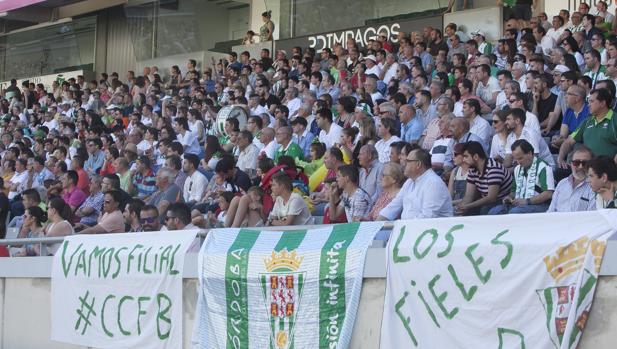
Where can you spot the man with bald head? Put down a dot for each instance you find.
(286, 146)
(411, 126)
(459, 128)
(267, 139)
(370, 170)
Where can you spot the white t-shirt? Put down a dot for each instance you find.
(332, 137)
(295, 206)
(531, 121)
(374, 70)
(537, 142)
(485, 92)
(390, 73)
(481, 128)
(383, 148)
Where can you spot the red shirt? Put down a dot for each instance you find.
(83, 182)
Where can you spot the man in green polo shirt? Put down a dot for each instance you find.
(286, 146)
(599, 132)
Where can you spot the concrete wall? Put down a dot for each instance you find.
(25, 314)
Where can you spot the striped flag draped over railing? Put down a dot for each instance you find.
(272, 289)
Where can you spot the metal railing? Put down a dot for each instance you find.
(388, 226)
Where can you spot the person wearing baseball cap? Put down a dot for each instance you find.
(371, 65)
(486, 48)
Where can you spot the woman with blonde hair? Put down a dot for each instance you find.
(391, 181)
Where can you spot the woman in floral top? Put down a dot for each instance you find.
(391, 181)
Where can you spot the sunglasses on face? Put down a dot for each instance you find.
(148, 220)
(578, 163)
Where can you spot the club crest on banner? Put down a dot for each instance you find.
(282, 290)
(559, 300)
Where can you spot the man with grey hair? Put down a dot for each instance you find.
(432, 132)
(388, 71)
(168, 192)
(370, 171)
(407, 90)
(292, 101)
(306, 111)
(518, 74)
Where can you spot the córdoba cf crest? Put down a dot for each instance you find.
(282, 290)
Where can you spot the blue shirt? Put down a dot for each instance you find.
(94, 162)
(412, 131)
(572, 120)
(304, 142)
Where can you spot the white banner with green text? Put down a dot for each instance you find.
(119, 290)
(281, 289)
(514, 281)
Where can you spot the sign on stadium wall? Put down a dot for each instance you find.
(271, 289)
(119, 290)
(361, 35)
(515, 281)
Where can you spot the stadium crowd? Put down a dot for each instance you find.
(427, 124)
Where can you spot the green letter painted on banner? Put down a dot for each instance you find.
(395, 254)
(420, 255)
(441, 298)
(501, 331)
(406, 320)
(476, 264)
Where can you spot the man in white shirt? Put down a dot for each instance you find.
(186, 137)
(574, 192)
(387, 132)
(247, 160)
(546, 42)
(19, 181)
(557, 29)
(389, 68)
(517, 100)
(371, 88)
(424, 194)
(255, 107)
(477, 124)
(195, 183)
(50, 122)
(602, 11)
(330, 132)
(267, 139)
(515, 122)
(488, 86)
(293, 103)
(371, 65)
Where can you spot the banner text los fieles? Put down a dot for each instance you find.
(421, 248)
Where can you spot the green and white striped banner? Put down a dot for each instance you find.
(281, 290)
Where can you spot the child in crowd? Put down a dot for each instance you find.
(214, 218)
(255, 217)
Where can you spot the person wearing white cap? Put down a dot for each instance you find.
(371, 65)
(561, 86)
(486, 48)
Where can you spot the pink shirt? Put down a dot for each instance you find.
(74, 198)
(112, 222)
